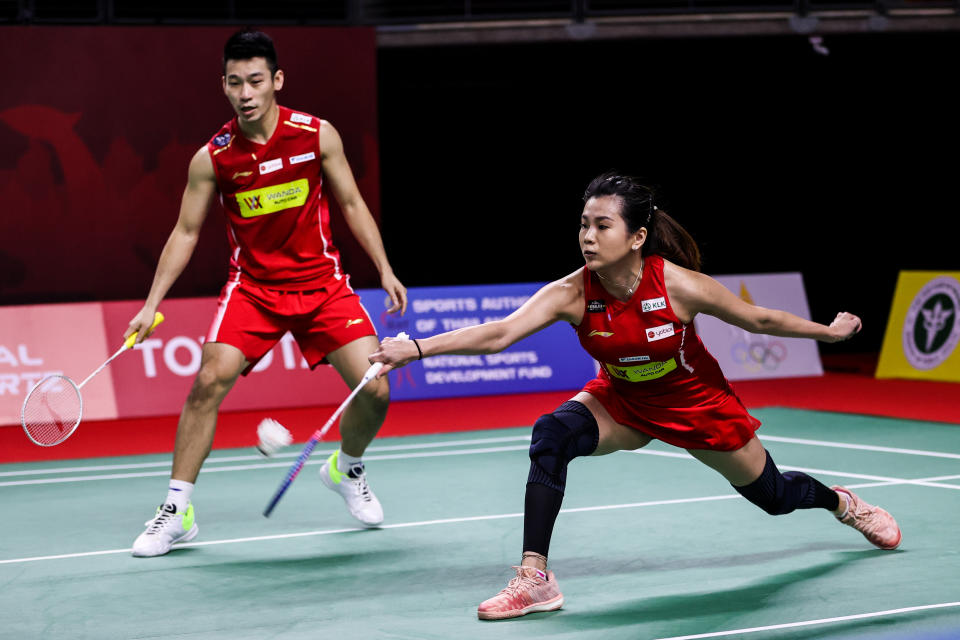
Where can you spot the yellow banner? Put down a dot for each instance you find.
(923, 329)
(640, 373)
(258, 202)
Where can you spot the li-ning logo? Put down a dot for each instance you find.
(659, 333)
(931, 329)
(350, 323)
(596, 306)
(653, 304)
(242, 174)
(602, 334)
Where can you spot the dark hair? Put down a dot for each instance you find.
(247, 44)
(665, 236)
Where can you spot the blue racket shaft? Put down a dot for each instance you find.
(291, 476)
(316, 437)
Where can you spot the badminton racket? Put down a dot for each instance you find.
(318, 435)
(53, 408)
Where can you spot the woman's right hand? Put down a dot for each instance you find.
(394, 353)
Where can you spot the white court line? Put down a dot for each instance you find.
(861, 447)
(217, 460)
(882, 480)
(264, 465)
(399, 456)
(807, 623)
(402, 525)
(931, 480)
(923, 482)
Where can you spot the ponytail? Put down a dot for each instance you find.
(666, 238)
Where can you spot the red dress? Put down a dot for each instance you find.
(655, 374)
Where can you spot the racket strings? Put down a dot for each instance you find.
(52, 411)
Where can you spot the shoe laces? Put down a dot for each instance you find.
(520, 581)
(160, 520)
(860, 511)
(363, 489)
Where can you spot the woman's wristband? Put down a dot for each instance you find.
(419, 352)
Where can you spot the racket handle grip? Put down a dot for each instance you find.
(372, 371)
(157, 319)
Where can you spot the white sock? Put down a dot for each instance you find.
(345, 462)
(179, 494)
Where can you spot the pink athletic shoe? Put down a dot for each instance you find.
(532, 590)
(874, 523)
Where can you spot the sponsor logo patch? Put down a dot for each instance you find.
(242, 174)
(653, 304)
(596, 306)
(643, 372)
(258, 202)
(301, 118)
(635, 359)
(303, 157)
(602, 334)
(659, 333)
(271, 165)
(931, 328)
(221, 140)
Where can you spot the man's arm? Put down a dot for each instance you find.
(358, 216)
(201, 186)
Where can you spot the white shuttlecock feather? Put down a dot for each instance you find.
(271, 436)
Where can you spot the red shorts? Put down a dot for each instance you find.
(253, 319)
(720, 424)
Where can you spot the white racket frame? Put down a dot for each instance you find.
(76, 387)
(36, 387)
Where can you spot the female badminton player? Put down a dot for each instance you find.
(633, 305)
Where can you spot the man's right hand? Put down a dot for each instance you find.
(141, 324)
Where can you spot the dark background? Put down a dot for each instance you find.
(776, 158)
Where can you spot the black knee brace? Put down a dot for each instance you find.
(558, 438)
(780, 493)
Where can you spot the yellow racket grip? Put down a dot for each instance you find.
(157, 319)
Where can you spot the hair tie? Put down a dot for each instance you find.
(419, 352)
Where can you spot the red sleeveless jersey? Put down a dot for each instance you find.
(655, 374)
(278, 221)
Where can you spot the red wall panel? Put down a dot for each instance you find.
(98, 127)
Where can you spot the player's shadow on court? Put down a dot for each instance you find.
(647, 609)
(285, 574)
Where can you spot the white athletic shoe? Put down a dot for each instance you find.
(164, 530)
(361, 502)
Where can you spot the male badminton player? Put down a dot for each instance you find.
(633, 305)
(273, 169)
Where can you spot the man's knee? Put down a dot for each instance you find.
(376, 393)
(210, 385)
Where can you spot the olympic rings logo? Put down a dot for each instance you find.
(757, 355)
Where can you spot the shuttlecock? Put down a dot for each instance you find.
(271, 436)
